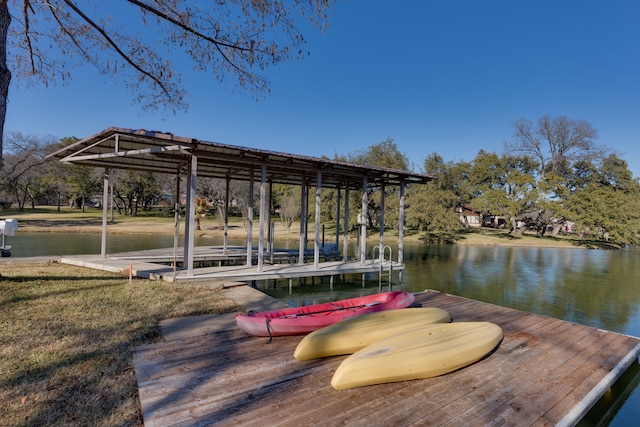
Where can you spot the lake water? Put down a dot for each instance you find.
(592, 287)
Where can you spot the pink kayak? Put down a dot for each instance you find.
(305, 319)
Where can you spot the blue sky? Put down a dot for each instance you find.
(435, 76)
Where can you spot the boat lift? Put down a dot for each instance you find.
(8, 227)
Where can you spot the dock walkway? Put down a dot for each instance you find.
(545, 372)
(155, 264)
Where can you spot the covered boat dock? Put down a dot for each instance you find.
(150, 151)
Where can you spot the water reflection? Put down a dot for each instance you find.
(592, 287)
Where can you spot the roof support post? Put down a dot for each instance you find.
(339, 193)
(363, 222)
(176, 222)
(345, 238)
(270, 236)
(303, 221)
(190, 217)
(382, 199)
(250, 219)
(316, 246)
(105, 203)
(226, 216)
(401, 224)
(263, 197)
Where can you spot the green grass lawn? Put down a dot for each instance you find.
(66, 340)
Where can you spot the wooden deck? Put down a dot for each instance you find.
(545, 372)
(152, 264)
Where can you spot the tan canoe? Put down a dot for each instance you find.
(419, 353)
(351, 335)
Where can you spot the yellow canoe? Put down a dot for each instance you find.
(351, 335)
(418, 353)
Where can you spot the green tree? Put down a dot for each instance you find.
(504, 185)
(233, 39)
(429, 209)
(431, 206)
(607, 203)
(386, 155)
(137, 189)
(83, 182)
(452, 177)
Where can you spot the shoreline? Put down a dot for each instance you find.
(479, 237)
(45, 219)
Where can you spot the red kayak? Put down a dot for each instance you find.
(305, 319)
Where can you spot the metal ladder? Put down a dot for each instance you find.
(382, 259)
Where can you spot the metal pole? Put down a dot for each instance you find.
(316, 247)
(250, 219)
(189, 225)
(382, 197)
(263, 196)
(363, 225)
(226, 216)
(105, 202)
(303, 214)
(345, 239)
(401, 224)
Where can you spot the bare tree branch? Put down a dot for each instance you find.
(232, 39)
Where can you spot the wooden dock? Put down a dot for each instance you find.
(545, 372)
(155, 264)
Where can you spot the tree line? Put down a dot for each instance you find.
(551, 177)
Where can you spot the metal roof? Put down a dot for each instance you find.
(161, 152)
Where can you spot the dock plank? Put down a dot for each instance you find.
(541, 373)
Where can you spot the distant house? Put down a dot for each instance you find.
(494, 221)
(468, 217)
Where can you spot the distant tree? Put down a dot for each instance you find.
(606, 204)
(504, 185)
(214, 191)
(430, 207)
(555, 143)
(40, 40)
(384, 154)
(54, 174)
(21, 171)
(83, 182)
(450, 176)
(134, 190)
(287, 202)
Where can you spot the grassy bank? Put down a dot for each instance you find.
(66, 336)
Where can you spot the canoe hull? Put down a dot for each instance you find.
(306, 319)
(351, 335)
(418, 353)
